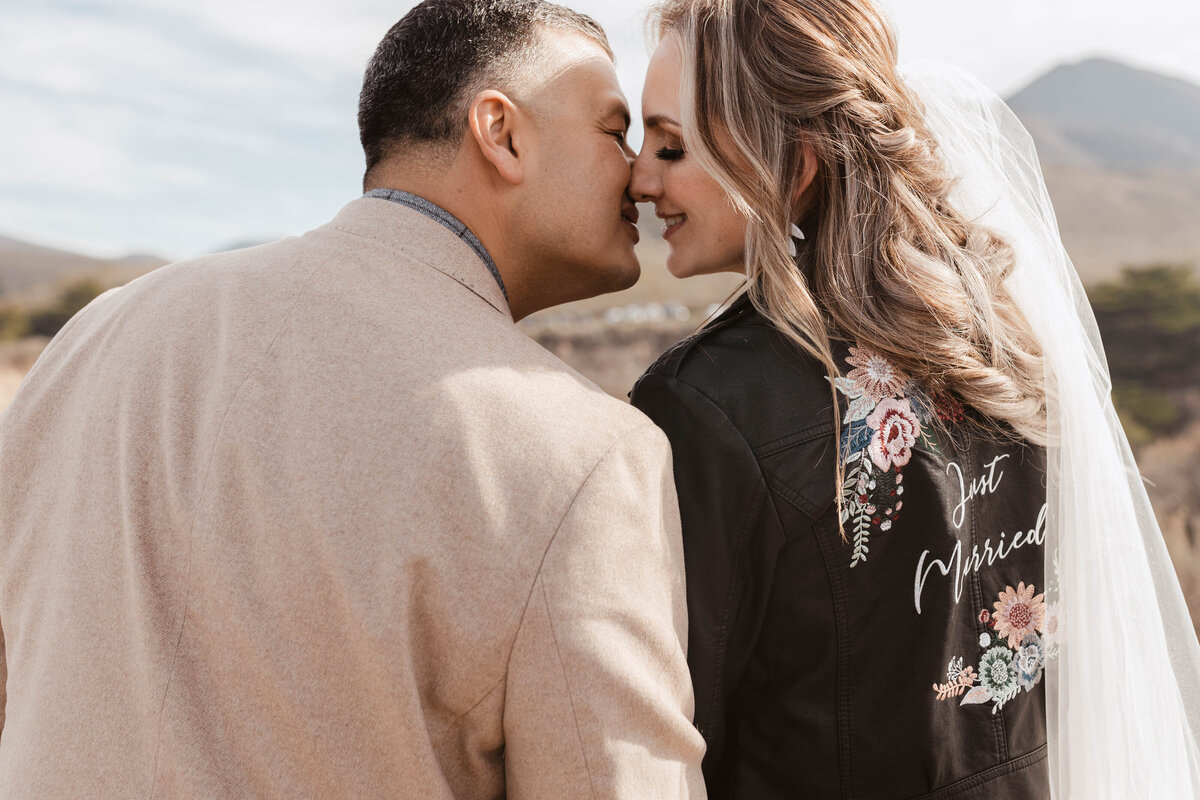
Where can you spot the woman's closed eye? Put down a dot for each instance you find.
(668, 153)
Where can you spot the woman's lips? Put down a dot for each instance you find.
(671, 224)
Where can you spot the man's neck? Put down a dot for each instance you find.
(463, 193)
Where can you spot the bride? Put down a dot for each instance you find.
(920, 561)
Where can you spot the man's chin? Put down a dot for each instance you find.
(621, 271)
(626, 277)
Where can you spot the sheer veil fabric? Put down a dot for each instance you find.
(1122, 666)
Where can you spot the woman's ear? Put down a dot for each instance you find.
(804, 179)
(495, 126)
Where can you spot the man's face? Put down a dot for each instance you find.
(576, 213)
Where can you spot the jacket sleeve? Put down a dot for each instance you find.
(731, 538)
(598, 701)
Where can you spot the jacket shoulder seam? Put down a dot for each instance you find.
(670, 362)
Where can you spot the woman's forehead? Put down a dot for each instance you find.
(660, 95)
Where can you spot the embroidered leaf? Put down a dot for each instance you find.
(855, 438)
(959, 680)
(929, 442)
(848, 387)
(977, 695)
(862, 530)
(859, 408)
(1009, 695)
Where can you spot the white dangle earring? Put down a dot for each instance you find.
(796, 236)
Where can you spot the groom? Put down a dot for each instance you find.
(314, 519)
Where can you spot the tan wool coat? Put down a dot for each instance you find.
(315, 520)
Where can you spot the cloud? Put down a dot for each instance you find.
(155, 125)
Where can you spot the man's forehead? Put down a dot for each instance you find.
(570, 55)
(570, 62)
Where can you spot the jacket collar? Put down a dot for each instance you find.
(420, 238)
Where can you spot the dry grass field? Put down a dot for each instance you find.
(16, 358)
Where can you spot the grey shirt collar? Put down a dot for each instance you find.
(436, 212)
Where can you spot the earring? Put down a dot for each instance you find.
(796, 236)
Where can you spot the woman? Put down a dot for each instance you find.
(903, 598)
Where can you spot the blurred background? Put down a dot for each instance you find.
(140, 132)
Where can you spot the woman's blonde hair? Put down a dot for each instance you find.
(888, 263)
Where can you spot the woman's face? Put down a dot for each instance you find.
(704, 231)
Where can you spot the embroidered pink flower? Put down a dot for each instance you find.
(874, 375)
(1019, 613)
(896, 430)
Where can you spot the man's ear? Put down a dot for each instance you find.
(495, 126)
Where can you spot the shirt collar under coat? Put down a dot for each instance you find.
(423, 238)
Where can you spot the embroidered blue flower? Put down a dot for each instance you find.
(1029, 662)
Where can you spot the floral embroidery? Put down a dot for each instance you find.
(947, 408)
(1030, 660)
(873, 375)
(1014, 655)
(1019, 613)
(887, 415)
(959, 680)
(896, 429)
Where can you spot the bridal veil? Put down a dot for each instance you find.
(1123, 664)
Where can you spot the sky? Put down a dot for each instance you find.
(172, 128)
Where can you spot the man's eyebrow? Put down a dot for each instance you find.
(658, 120)
(619, 109)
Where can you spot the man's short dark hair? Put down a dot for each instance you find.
(433, 61)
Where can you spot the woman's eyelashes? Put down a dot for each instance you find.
(668, 153)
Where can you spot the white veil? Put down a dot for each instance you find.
(1123, 688)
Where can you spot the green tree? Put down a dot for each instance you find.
(14, 323)
(1149, 319)
(50, 320)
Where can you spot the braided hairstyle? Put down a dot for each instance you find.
(888, 262)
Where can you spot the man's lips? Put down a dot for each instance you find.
(629, 214)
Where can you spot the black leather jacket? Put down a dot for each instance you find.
(904, 661)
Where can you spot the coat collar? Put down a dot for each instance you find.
(420, 238)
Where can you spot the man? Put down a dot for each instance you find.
(314, 519)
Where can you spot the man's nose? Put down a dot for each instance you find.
(644, 185)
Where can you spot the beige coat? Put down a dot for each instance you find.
(315, 520)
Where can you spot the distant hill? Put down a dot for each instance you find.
(1103, 113)
(30, 271)
(1120, 148)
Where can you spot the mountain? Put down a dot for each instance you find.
(30, 270)
(1104, 113)
(1120, 149)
